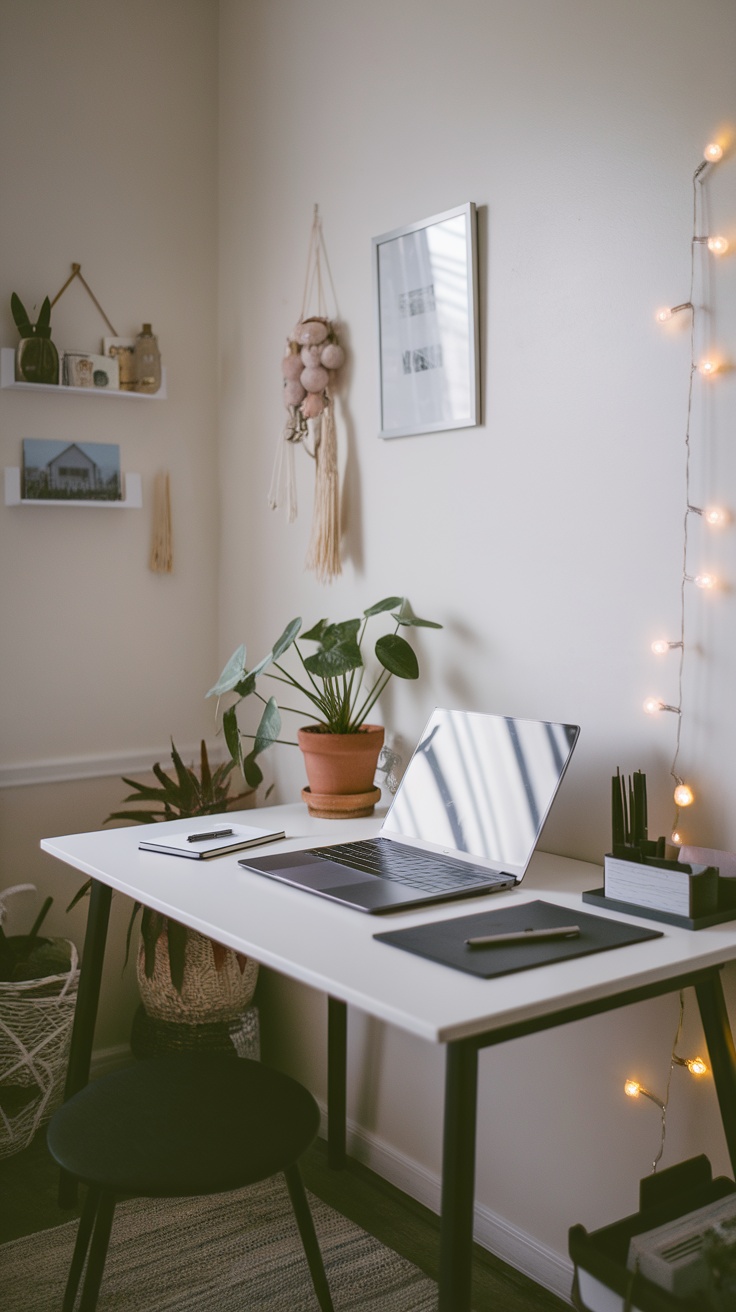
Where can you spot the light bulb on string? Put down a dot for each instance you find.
(706, 582)
(666, 312)
(661, 646)
(717, 245)
(633, 1089)
(676, 837)
(653, 705)
(683, 795)
(715, 516)
(695, 1065)
(708, 368)
(713, 152)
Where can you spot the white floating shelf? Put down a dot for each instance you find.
(7, 379)
(133, 493)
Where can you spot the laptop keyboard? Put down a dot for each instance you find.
(407, 865)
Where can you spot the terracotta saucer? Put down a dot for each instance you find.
(341, 806)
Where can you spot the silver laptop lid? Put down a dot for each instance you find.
(480, 787)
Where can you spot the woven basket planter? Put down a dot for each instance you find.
(36, 1017)
(239, 1037)
(218, 983)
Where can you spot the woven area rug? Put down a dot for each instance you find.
(228, 1253)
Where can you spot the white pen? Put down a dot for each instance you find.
(523, 936)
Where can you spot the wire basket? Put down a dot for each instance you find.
(36, 1017)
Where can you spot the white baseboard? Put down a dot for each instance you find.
(519, 1249)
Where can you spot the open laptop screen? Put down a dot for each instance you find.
(481, 785)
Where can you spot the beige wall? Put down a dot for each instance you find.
(109, 160)
(548, 540)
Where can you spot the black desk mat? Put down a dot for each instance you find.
(444, 941)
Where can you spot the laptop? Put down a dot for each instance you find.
(465, 819)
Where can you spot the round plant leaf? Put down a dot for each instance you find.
(232, 673)
(286, 639)
(413, 621)
(388, 603)
(269, 728)
(397, 656)
(232, 734)
(334, 661)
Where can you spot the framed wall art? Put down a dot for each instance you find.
(425, 288)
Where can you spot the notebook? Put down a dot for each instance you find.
(465, 819)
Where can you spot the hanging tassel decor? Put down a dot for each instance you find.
(309, 368)
(161, 560)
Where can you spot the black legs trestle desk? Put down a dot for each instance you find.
(461, 1085)
(333, 950)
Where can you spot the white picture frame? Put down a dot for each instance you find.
(425, 284)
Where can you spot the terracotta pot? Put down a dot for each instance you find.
(341, 766)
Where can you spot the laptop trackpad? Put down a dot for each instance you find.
(306, 871)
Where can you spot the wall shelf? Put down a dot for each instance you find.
(133, 499)
(7, 379)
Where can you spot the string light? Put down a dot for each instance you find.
(717, 245)
(653, 705)
(668, 311)
(661, 646)
(715, 516)
(706, 367)
(695, 1065)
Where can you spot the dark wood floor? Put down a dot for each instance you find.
(28, 1202)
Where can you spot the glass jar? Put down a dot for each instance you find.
(147, 361)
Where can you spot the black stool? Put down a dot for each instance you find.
(172, 1127)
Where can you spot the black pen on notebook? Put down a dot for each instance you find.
(523, 936)
(203, 838)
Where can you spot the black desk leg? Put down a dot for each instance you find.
(458, 1176)
(722, 1054)
(337, 1063)
(85, 1014)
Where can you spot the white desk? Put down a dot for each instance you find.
(331, 948)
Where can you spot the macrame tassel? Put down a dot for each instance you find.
(323, 556)
(161, 560)
(283, 478)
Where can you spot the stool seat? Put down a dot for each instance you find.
(179, 1125)
(176, 1126)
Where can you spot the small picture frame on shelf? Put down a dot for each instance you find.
(80, 369)
(70, 471)
(122, 349)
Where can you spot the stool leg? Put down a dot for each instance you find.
(98, 1252)
(86, 1225)
(309, 1237)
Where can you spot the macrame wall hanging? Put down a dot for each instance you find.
(310, 365)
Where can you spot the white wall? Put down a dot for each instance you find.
(549, 539)
(108, 159)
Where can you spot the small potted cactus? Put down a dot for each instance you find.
(36, 357)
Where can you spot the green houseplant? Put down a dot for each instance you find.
(339, 697)
(184, 794)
